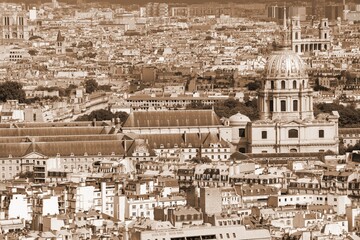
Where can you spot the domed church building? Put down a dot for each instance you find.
(285, 101)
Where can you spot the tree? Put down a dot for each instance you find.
(200, 160)
(11, 90)
(122, 116)
(232, 106)
(91, 85)
(103, 115)
(253, 86)
(33, 52)
(197, 105)
(349, 116)
(68, 90)
(105, 88)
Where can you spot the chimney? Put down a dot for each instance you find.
(184, 136)
(94, 122)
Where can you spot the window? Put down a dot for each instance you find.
(283, 105)
(263, 134)
(271, 105)
(293, 133)
(282, 84)
(242, 132)
(294, 84)
(295, 105)
(321, 133)
(272, 84)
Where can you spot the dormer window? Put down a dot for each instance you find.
(99, 153)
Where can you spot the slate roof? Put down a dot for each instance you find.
(350, 131)
(176, 118)
(51, 131)
(170, 140)
(51, 149)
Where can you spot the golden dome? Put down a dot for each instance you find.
(285, 64)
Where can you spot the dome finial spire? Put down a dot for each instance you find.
(284, 23)
(285, 31)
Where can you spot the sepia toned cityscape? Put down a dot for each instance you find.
(180, 120)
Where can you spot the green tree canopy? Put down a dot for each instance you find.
(103, 115)
(200, 160)
(11, 90)
(68, 90)
(253, 86)
(91, 85)
(349, 115)
(232, 106)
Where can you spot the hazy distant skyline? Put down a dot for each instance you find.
(142, 2)
(166, 1)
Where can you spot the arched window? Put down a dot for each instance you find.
(295, 105)
(282, 84)
(293, 133)
(293, 150)
(294, 84)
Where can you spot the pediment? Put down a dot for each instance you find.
(295, 122)
(35, 155)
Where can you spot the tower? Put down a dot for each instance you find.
(13, 27)
(55, 4)
(60, 47)
(295, 28)
(324, 30)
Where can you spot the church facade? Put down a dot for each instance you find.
(287, 122)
